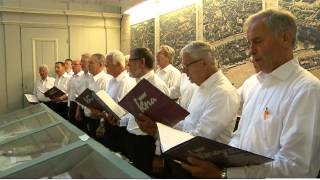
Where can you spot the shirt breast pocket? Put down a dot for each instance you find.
(271, 128)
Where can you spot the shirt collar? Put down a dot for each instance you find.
(63, 75)
(212, 79)
(146, 76)
(98, 76)
(121, 76)
(282, 73)
(78, 74)
(167, 68)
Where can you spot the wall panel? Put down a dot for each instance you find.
(87, 40)
(3, 75)
(13, 67)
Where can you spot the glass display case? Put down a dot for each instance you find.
(22, 113)
(25, 125)
(38, 143)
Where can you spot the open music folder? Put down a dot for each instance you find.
(101, 101)
(179, 145)
(149, 100)
(54, 92)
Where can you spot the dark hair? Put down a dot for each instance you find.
(59, 62)
(68, 59)
(144, 53)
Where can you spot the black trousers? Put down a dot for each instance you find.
(60, 108)
(72, 113)
(139, 149)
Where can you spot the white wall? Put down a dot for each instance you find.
(77, 27)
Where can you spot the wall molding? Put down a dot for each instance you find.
(6, 9)
(55, 25)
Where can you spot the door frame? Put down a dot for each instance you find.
(34, 40)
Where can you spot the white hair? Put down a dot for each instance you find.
(44, 66)
(199, 50)
(117, 57)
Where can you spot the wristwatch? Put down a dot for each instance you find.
(102, 122)
(224, 173)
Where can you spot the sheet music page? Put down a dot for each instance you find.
(170, 137)
(31, 98)
(115, 107)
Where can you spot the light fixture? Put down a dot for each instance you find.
(152, 8)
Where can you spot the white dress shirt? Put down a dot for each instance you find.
(245, 91)
(62, 82)
(84, 81)
(120, 86)
(70, 73)
(132, 126)
(183, 90)
(74, 87)
(42, 86)
(96, 83)
(213, 109)
(281, 120)
(170, 75)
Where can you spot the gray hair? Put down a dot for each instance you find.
(100, 59)
(278, 21)
(117, 57)
(44, 66)
(168, 52)
(85, 56)
(199, 50)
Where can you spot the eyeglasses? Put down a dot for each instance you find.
(186, 66)
(134, 59)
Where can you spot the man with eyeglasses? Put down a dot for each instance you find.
(138, 146)
(74, 89)
(215, 102)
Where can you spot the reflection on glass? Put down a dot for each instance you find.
(34, 145)
(7, 118)
(26, 125)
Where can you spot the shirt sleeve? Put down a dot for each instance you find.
(298, 154)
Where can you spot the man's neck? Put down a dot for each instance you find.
(165, 66)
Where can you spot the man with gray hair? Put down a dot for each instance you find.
(74, 90)
(99, 81)
(215, 102)
(119, 86)
(280, 117)
(121, 83)
(43, 84)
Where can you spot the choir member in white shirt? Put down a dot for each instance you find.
(280, 117)
(121, 83)
(136, 145)
(74, 90)
(119, 86)
(99, 81)
(215, 102)
(84, 84)
(68, 66)
(43, 84)
(62, 83)
(183, 91)
(166, 71)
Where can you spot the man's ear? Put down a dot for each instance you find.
(143, 62)
(287, 39)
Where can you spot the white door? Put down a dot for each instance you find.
(41, 46)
